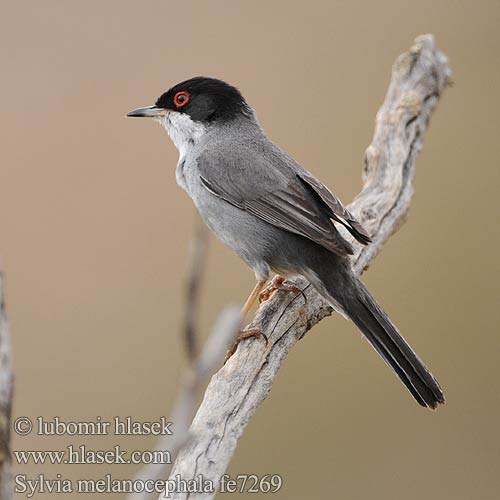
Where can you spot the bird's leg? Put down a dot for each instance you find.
(250, 332)
(278, 283)
(257, 289)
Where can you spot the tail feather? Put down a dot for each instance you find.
(357, 303)
(388, 342)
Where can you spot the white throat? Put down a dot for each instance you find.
(183, 131)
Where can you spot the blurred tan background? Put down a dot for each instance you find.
(94, 232)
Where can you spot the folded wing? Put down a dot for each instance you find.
(286, 197)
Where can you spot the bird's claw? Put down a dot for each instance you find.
(278, 283)
(246, 334)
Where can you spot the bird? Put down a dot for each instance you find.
(276, 215)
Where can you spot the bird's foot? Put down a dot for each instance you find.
(245, 334)
(278, 283)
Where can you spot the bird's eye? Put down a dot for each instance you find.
(181, 98)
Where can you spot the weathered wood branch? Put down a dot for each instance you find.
(6, 389)
(419, 77)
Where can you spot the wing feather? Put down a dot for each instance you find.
(338, 212)
(288, 198)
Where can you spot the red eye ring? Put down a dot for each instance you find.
(181, 98)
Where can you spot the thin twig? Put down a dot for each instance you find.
(6, 391)
(196, 266)
(214, 349)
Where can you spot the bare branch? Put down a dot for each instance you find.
(197, 261)
(419, 77)
(6, 389)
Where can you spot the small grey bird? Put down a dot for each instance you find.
(275, 214)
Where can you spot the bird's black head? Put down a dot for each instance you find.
(205, 100)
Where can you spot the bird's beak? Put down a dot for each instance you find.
(148, 112)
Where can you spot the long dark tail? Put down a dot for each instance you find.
(358, 304)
